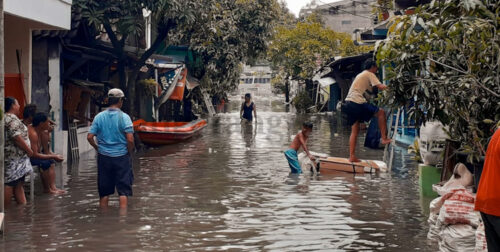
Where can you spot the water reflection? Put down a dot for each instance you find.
(230, 189)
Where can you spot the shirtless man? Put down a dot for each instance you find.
(28, 115)
(299, 141)
(46, 162)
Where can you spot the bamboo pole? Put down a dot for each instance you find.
(2, 102)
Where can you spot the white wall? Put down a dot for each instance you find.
(54, 13)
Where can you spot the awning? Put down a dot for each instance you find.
(165, 62)
(192, 82)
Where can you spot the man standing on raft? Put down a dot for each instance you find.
(358, 109)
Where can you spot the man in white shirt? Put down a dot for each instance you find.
(359, 110)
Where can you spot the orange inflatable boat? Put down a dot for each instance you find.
(161, 133)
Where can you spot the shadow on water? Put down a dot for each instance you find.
(230, 189)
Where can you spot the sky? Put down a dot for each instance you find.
(295, 5)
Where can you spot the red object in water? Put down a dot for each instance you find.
(161, 133)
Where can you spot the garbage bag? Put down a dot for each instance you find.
(457, 238)
(373, 135)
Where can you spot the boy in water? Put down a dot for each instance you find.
(299, 141)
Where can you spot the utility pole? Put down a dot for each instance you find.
(2, 126)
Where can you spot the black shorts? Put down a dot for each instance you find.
(43, 164)
(15, 182)
(356, 112)
(114, 172)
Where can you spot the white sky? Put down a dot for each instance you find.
(295, 5)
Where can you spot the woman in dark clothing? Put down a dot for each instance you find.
(247, 108)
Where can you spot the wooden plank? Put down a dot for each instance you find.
(343, 164)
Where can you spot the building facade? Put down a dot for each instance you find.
(256, 80)
(343, 16)
(32, 69)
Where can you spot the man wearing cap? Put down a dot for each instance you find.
(115, 142)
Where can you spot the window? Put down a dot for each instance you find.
(346, 22)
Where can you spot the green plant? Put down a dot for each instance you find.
(415, 149)
(302, 102)
(443, 63)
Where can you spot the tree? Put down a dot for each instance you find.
(227, 34)
(301, 47)
(443, 64)
(123, 21)
(222, 32)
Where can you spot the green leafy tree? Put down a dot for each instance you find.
(123, 21)
(227, 34)
(224, 33)
(301, 47)
(443, 63)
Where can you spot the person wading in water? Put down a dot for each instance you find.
(247, 108)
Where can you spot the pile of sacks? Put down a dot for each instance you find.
(453, 221)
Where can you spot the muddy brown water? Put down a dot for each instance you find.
(230, 189)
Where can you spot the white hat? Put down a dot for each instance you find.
(116, 92)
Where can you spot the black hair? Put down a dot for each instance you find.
(39, 118)
(113, 100)
(248, 95)
(369, 63)
(29, 111)
(307, 125)
(9, 102)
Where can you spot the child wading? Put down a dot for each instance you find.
(247, 108)
(299, 141)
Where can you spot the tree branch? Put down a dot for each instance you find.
(112, 36)
(463, 72)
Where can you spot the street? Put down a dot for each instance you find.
(230, 189)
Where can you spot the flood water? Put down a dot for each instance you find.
(230, 189)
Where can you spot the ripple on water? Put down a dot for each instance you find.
(229, 189)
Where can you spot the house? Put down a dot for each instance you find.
(256, 80)
(343, 16)
(22, 17)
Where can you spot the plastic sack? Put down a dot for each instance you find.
(306, 164)
(431, 142)
(457, 238)
(461, 178)
(481, 245)
(458, 208)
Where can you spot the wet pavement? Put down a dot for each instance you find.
(230, 189)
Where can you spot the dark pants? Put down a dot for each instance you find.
(114, 172)
(492, 230)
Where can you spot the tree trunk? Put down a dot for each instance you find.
(310, 89)
(287, 90)
(131, 94)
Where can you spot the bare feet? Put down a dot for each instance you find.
(354, 160)
(386, 141)
(55, 192)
